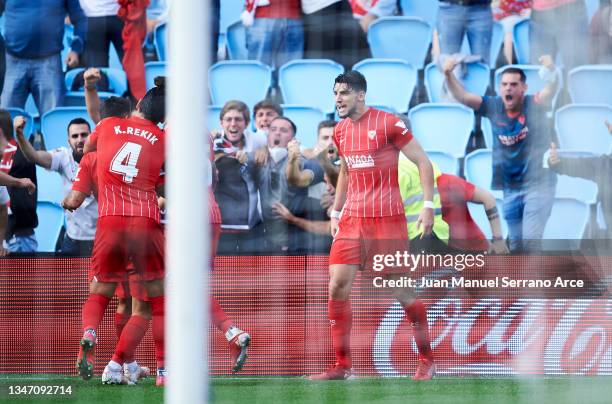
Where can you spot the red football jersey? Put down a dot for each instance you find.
(86, 180)
(455, 193)
(370, 148)
(131, 155)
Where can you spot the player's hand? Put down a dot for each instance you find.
(293, 150)
(609, 125)
(282, 211)
(498, 247)
(72, 60)
(91, 77)
(261, 156)
(19, 123)
(553, 157)
(27, 184)
(449, 65)
(334, 226)
(547, 61)
(215, 133)
(425, 221)
(66, 205)
(242, 156)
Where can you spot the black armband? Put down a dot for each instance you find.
(492, 213)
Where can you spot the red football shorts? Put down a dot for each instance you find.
(121, 239)
(359, 239)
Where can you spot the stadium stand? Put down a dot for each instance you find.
(250, 80)
(581, 127)
(117, 81)
(54, 125)
(152, 70)
(296, 80)
(568, 221)
(160, 38)
(391, 82)
(236, 42)
(477, 169)
(445, 162)
(520, 39)
(591, 84)
(443, 127)
(50, 186)
(475, 81)
(306, 120)
(406, 38)
(426, 10)
(50, 222)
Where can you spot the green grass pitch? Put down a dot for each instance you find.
(246, 390)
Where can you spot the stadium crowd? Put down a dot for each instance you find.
(275, 177)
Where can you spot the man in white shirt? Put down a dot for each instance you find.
(80, 224)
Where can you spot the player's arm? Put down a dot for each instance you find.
(295, 175)
(92, 100)
(311, 226)
(340, 199)
(73, 200)
(39, 157)
(3, 226)
(471, 100)
(550, 77)
(10, 181)
(416, 154)
(483, 197)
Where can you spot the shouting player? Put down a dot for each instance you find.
(368, 216)
(130, 156)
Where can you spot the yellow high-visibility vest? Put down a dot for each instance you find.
(412, 195)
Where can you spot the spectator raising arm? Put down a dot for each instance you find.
(468, 99)
(38, 157)
(548, 73)
(295, 175)
(92, 100)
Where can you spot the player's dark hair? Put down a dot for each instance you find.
(353, 79)
(328, 123)
(78, 121)
(284, 118)
(117, 107)
(516, 70)
(6, 124)
(267, 104)
(153, 104)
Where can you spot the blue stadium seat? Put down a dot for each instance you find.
(246, 80)
(117, 82)
(520, 39)
(50, 222)
(236, 42)
(212, 117)
(31, 108)
(29, 127)
(478, 169)
(160, 37)
(309, 82)
(487, 132)
(406, 38)
(391, 82)
(229, 13)
(477, 212)
(50, 185)
(592, 6)
(306, 120)
(581, 127)
(590, 84)
(54, 125)
(443, 127)
(568, 221)
(497, 40)
(152, 70)
(445, 162)
(573, 187)
(427, 10)
(476, 81)
(534, 83)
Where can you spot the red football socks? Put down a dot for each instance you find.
(218, 316)
(157, 310)
(93, 311)
(132, 334)
(417, 315)
(121, 320)
(341, 319)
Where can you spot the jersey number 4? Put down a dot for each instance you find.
(125, 161)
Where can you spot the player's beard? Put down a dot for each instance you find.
(349, 112)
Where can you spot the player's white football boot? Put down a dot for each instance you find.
(239, 342)
(113, 374)
(134, 373)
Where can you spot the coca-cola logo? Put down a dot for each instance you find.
(505, 337)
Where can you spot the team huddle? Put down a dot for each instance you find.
(123, 168)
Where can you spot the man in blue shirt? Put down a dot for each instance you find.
(521, 135)
(33, 33)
